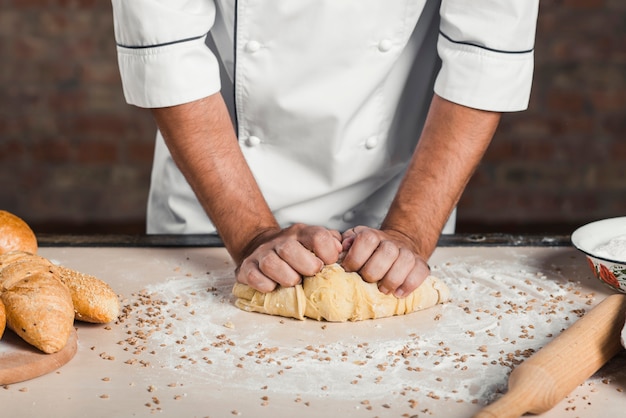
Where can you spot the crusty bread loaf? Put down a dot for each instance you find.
(40, 299)
(38, 305)
(16, 266)
(94, 300)
(12, 257)
(15, 234)
(39, 309)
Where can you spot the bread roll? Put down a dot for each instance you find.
(39, 299)
(94, 300)
(39, 309)
(38, 305)
(15, 234)
(11, 257)
(16, 266)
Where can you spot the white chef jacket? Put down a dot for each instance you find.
(328, 97)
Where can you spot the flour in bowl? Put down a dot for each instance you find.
(614, 249)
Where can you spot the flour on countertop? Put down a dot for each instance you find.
(500, 314)
(614, 249)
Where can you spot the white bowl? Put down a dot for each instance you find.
(588, 238)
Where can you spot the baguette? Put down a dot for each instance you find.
(13, 256)
(16, 266)
(40, 300)
(38, 305)
(39, 309)
(94, 300)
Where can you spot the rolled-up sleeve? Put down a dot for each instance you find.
(162, 54)
(487, 53)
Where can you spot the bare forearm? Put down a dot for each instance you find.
(452, 144)
(203, 144)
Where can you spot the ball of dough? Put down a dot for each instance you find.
(337, 296)
(15, 234)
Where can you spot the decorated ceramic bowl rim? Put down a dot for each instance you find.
(588, 237)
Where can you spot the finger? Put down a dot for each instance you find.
(274, 267)
(250, 274)
(347, 238)
(350, 233)
(324, 243)
(336, 234)
(365, 243)
(398, 272)
(379, 263)
(411, 283)
(414, 279)
(300, 259)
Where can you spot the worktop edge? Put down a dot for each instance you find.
(212, 240)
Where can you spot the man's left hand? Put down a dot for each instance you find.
(384, 257)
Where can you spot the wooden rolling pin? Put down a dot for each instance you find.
(557, 369)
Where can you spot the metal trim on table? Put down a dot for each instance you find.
(212, 240)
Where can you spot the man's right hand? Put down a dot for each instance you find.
(282, 257)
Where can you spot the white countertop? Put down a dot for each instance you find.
(182, 349)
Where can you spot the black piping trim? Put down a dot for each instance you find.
(178, 41)
(236, 108)
(484, 47)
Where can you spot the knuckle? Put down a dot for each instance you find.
(407, 256)
(269, 262)
(389, 249)
(244, 273)
(369, 236)
(285, 248)
(255, 279)
(318, 238)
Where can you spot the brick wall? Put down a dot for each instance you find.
(71, 152)
(74, 156)
(563, 161)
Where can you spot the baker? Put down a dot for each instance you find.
(282, 123)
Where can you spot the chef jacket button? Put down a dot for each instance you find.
(253, 46)
(253, 141)
(384, 45)
(348, 216)
(371, 142)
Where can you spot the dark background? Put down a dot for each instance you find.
(75, 158)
